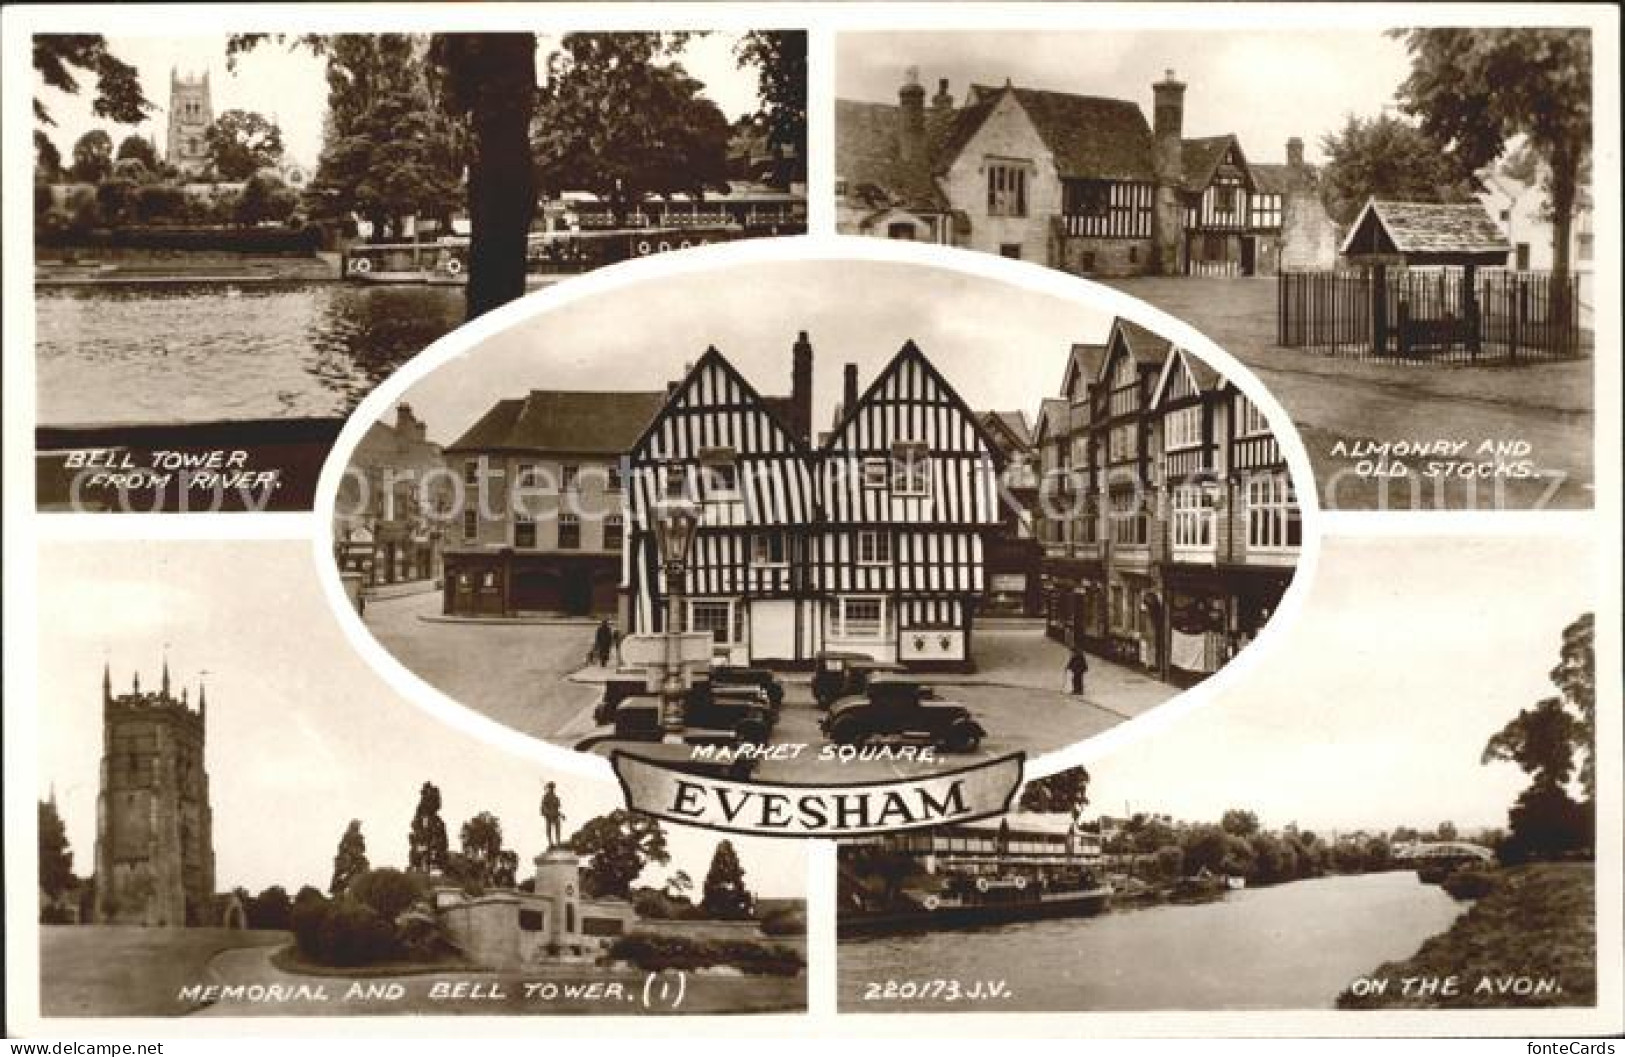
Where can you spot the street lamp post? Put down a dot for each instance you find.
(676, 524)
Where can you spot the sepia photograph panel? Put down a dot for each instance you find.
(1400, 813)
(237, 817)
(809, 536)
(251, 231)
(1401, 248)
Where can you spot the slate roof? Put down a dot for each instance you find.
(1016, 423)
(1086, 359)
(1057, 413)
(1144, 345)
(551, 420)
(1434, 227)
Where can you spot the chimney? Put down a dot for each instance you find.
(1294, 152)
(1168, 164)
(801, 376)
(849, 389)
(407, 425)
(911, 118)
(943, 100)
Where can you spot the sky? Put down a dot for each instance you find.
(1265, 87)
(290, 86)
(1372, 712)
(302, 735)
(1000, 347)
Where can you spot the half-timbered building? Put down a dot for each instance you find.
(908, 478)
(1196, 530)
(716, 442)
(1078, 182)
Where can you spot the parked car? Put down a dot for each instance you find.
(735, 675)
(894, 707)
(840, 674)
(735, 715)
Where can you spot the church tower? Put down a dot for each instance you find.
(190, 115)
(154, 830)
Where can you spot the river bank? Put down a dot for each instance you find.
(1531, 941)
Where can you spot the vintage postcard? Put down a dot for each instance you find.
(838, 520)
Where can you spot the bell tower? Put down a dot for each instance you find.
(154, 828)
(190, 114)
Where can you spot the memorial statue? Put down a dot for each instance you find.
(553, 816)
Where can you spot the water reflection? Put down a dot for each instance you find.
(189, 353)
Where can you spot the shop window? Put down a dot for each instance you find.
(569, 532)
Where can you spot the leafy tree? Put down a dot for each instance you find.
(481, 838)
(131, 169)
(61, 58)
(55, 857)
(618, 846)
(725, 895)
(678, 885)
(388, 891)
(1539, 740)
(1239, 822)
(1446, 831)
(1066, 790)
(271, 909)
(241, 143)
(140, 149)
(159, 202)
(1388, 158)
(1477, 89)
(1211, 848)
(92, 157)
(780, 58)
(614, 121)
(115, 198)
(308, 894)
(1576, 679)
(427, 840)
(265, 198)
(351, 860)
(47, 159)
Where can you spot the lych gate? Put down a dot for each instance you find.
(1429, 282)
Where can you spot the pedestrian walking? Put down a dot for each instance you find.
(602, 642)
(1076, 669)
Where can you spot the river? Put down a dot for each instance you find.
(1292, 946)
(205, 352)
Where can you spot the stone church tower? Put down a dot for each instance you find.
(190, 115)
(154, 835)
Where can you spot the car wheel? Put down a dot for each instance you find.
(751, 731)
(848, 732)
(963, 737)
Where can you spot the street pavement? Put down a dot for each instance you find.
(1331, 399)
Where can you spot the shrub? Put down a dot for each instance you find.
(1470, 882)
(353, 934)
(653, 953)
(307, 920)
(388, 891)
(785, 923)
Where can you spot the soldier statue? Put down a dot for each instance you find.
(553, 816)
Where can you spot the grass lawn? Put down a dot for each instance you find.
(1532, 941)
(1547, 405)
(119, 971)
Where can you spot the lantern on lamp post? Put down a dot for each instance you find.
(675, 526)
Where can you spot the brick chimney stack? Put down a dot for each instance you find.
(1168, 163)
(849, 389)
(1294, 152)
(911, 117)
(801, 379)
(944, 99)
(408, 425)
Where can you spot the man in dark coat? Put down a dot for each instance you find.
(1076, 668)
(602, 642)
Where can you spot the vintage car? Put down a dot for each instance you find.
(839, 675)
(901, 708)
(729, 675)
(729, 715)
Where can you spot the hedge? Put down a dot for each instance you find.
(306, 239)
(653, 953)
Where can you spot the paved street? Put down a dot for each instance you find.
(1549, 405)
(529, 676)
(512, 673)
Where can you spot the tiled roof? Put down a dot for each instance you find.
(1143, 345)
(866, 153)
(1013, 422)
(550, 420)
(1092, 137)
(1435, 227)
(1200, 158)
(1086, 360)
(1270, 177)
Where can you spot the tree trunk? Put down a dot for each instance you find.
(501, 179)
(1565, 181)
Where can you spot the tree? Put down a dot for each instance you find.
(678, 885)
(780, 58)
(1388, 158)
(115, 198)
(387, 891)
(241, 143)
(1239, 822)
(1576, 679)
(55, 857)
(725, 895)
(1066, 790)
(118, 87)
(159, 201)
(618, 846)
(265, 198)
(351, 860)
(426, 842)
(613, 121)
(139, 148)
(47, 159)
(481, 838)
(271, 909)
(1446, 831)
(92, 157)
(1477, 89)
